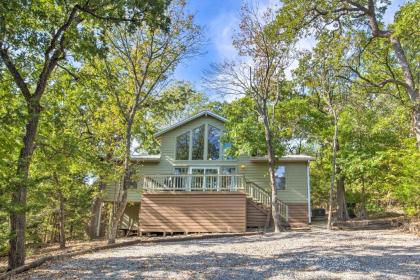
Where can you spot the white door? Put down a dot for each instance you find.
(204, 179)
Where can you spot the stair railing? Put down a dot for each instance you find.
(284, 210)
(257, 193)
(263, 197)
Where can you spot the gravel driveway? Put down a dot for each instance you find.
(379, 254)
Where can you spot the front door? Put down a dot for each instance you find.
(204, 178)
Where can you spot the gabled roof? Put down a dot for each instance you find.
(189, 119)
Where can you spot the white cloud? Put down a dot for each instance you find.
(222, 29)
(221, 32)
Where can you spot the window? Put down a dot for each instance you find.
(182, 146)
(228, 170)
(198, 143)
(190, 145)
(280, 176)
(180, 170)
(213, 138)
(180, 182)
(228, 182)
(226, 147)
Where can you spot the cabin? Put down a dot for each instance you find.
(194, 186)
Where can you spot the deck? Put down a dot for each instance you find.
(203, 203)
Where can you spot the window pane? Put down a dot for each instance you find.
(228, 170)
(180, 170)
(198, 143)
(228, 182)
(180, 182)
(280, 176)
(182, 146)
(213, 143)
(227, 146)
(197, 181)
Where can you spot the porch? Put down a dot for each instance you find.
(205, 183)
(203, 203)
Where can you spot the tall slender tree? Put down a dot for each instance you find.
(321, 74)
(260, 78)
(136, 71)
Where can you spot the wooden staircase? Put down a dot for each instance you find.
(258, 209)
(259, 205)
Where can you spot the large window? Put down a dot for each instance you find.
(280, 177)
(190, 145)
(226, 148)
(183, 146)
(213, 151)
(198, 143)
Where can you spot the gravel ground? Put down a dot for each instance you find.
(319, 254)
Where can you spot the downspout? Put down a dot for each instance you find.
(308, 178)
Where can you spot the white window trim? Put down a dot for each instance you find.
(189, 144)
(206, 139)
(285, 177)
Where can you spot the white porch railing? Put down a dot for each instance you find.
(187, 183)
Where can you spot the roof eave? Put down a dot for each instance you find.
(284, 159)
(156, 158)
(180, 123)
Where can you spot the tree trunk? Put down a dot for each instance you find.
(95, 212)
(333, 168)
(118, 213)
(17, 214)
(62, 221)
(413, 92)
(275, 206)
(416, 122)
(363, 212)
(342, 213)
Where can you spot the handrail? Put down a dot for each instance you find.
(262, 196)
(257, 193)
(192, 182)
(284, 210)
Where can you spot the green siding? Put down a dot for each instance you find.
(257, 172)
(112, 192)
(130, 219)
(296, 179)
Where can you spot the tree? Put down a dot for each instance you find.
(322, 74)
(302, 17)
(261, 79)
(135, 72)
(33, 40)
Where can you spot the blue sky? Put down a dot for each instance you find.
(220, 18)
